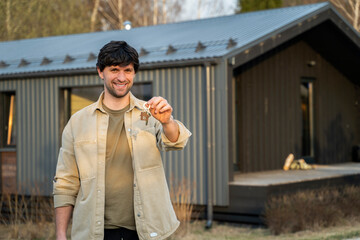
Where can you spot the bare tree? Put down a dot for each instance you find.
(351, 10)
(138, 12)
(164, 15)
(39, 18)
(8, 17)
(199, 3)
(112, 12)
(94, 14)
(155, 15)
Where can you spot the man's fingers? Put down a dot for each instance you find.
(167, 107)
(157, 103)
(160, 105)
(159, 108)
(154, 101)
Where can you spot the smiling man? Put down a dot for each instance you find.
(109, 174)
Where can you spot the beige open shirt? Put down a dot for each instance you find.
(80, 172)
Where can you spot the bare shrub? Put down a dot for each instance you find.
(181, 198)
(312, 209)
(26, 215)
(350, 201)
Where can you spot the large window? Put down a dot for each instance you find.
(8, 120)
(307, 109)
(76, 98)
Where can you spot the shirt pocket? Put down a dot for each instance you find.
(146, 152)
(86, 158)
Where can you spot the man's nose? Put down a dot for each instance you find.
(121, 76)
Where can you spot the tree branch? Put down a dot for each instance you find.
(338, 4)
(94, 14)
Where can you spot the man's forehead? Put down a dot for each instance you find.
(131, 65)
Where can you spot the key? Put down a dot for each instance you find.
(146, 115)
(147, 119)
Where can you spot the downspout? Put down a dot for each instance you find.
(209, 148)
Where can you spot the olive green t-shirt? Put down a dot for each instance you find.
(119, 174)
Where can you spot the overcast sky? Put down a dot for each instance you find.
(210, 8)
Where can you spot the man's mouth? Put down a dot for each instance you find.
(120, 84)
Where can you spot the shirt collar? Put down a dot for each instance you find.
(134, 102)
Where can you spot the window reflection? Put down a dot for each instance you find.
(11, 136)
(8, 119)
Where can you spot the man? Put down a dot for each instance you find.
(109, 175)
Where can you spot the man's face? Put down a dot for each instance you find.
(118, 80)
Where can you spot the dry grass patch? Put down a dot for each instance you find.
(312, 209)
(27, 217)
(182, 199)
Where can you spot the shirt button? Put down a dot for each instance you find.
(134, 185)
(129, 129)
(99, 191)
(138, 215)
(99, 222)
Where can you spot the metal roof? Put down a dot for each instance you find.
(189, 40)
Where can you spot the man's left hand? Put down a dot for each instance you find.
(160, 109)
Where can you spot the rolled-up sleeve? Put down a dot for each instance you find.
(184, 135)
(66, 181)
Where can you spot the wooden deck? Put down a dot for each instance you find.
(250, 191)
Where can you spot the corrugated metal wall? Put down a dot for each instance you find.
(39, 135)
(37, 111)
(185, 89)
(180, 86)
(269, 112)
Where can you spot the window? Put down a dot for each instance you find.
(307, 109)
(142, 90)
(76, 98)
(8, 120)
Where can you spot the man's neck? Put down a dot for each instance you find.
(116, 103)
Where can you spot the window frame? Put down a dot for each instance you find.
(310, 157)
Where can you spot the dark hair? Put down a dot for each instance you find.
(117, 53)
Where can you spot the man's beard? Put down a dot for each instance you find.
(116, 95)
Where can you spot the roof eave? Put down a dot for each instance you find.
(181, 63)
(92, 70)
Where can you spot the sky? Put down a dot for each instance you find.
(210, 8)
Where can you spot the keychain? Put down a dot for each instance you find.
(145, 115)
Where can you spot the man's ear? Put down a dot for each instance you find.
(101, 74)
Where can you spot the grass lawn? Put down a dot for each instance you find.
(196, 231)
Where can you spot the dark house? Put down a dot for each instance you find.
(251, 87)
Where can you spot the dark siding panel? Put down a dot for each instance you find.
(269, 115)
(338, 117)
